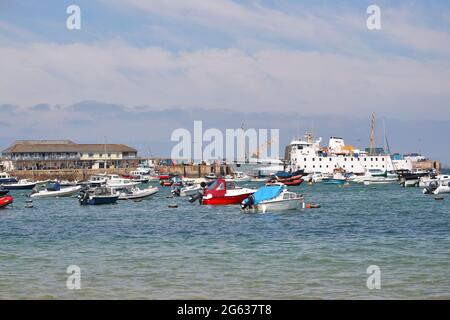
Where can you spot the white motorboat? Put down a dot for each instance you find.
(238, 177)
(444, 187)
(63, 192)
(273, 198)
(97, 180)
(211, 176)
(379, 180)
(115, 181)
(134, 193)
(189, 191)
(426, 181)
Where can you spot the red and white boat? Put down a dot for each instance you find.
(221, 192)
(5, 201)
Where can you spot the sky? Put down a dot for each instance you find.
(138, 69)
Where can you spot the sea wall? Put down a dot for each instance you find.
(84, 174)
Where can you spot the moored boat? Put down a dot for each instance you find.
(5, 201)
(444, 187)
(54, 190)
(98, 196)
(221, 192)
(21, 185)
(6, 178)
(134, 193)
(272, 198)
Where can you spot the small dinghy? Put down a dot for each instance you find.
(273, 198)
(135, 193)
(54, 190)
(5, 201)
(97, 196)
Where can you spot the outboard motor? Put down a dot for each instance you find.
(430, 189)
(249, 203)
(198, 196)
(176, 190)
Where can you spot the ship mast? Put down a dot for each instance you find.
(372, 136)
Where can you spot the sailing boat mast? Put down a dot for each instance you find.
(106, 156)
(372, 136)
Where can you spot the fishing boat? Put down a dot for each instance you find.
(272, 198)
(6, 178)
(133, 193)
(23, 184)
(221, 192)
(97, 196)
(5, 201)
(54, 190)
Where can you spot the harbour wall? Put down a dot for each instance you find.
(189, 171)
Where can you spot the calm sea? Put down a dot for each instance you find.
(146, 250)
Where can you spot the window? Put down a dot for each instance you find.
(90, 155)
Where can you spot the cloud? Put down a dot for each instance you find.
(288, 80)
(148, 128)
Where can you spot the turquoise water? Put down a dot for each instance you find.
(146, 250)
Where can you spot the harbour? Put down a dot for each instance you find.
(225, 150)
(146, 250)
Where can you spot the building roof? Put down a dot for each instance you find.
(64, 146)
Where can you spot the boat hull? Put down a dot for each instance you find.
(5, 201)
(99, 200)
(442, 190)
(19, 186)
(138, 195)
(64, 192)
(333, 181)
(280, 205)
(226, 200)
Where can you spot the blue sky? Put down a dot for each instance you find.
(312, 59)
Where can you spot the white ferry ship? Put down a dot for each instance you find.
(309, 156)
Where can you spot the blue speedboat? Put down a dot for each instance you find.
(97, 196)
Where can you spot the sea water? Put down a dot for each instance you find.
(146, 250)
